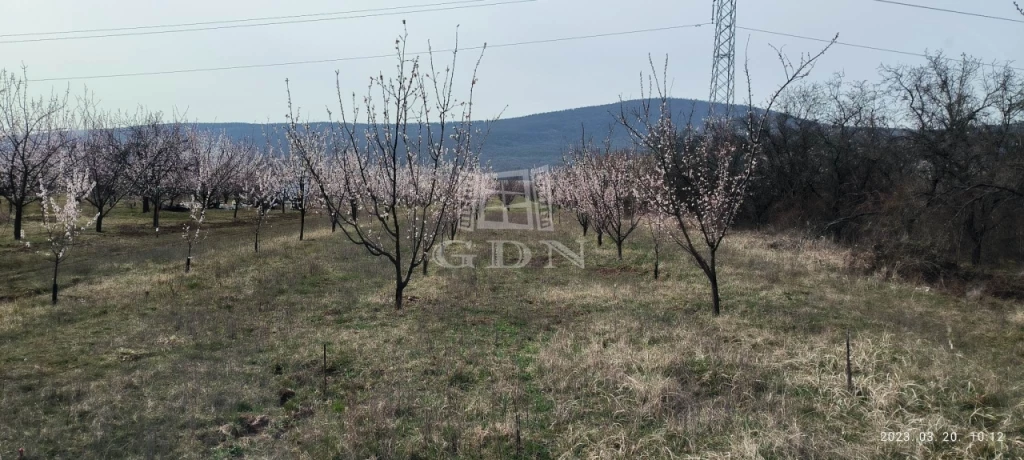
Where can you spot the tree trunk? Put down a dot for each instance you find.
(256, 244)
(53, 295)
(399, 288)
(600, 238)
(188, 264)
(334, 222)
(156, 214)
(976, 253)
(716, 301)
(302, 222)
(99, 223)
(425, 261)
(236, 209)
(618, 247)
(354, 210)
(145, 204)
(19, 211)
(975, 236)
(657, 258)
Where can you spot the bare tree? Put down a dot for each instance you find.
(962, 118)
(851, 152)
(787, 178)
(35, 134)
(405, 169)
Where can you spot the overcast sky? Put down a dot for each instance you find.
(521, 79)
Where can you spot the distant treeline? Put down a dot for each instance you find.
(925, 168)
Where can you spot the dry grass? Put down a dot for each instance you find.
(142, 360)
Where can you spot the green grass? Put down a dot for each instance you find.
(141, 360)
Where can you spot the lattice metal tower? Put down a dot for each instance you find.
(723, 61)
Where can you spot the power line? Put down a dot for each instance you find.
(854, 45)
(239, 26)
(379, 56)
(230, 21)
(944, 10)
(501, 45)
(581, 37)
(823, 40)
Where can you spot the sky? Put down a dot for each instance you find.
(513, 80)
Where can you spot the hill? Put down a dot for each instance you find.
(532, 140)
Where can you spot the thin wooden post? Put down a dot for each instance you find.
(849, 366)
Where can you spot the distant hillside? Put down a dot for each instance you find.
(533, 140)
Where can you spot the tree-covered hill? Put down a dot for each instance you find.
(521, 142)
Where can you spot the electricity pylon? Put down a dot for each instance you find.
(723, 61)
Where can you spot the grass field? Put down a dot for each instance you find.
(141, 360)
